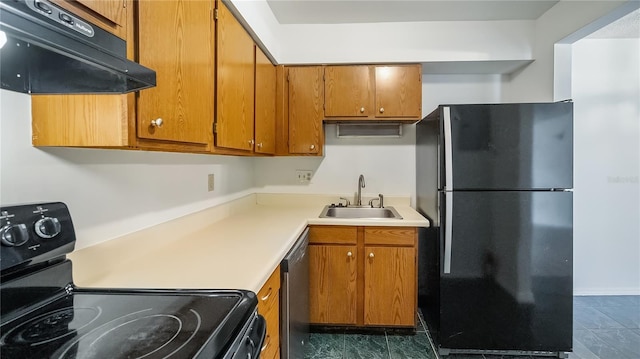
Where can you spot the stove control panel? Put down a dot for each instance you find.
(34, 233)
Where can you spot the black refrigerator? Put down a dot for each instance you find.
(496, 267)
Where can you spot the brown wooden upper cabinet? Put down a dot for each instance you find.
(305, 109)
(381, 92)
(176, 39)
(90, 120)
(265, 108)
(235, 83)
(348, 91)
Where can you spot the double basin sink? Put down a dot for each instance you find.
(332, 211)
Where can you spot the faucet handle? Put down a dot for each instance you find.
(346, 200)
(380, 200)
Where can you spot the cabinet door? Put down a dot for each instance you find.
(80, 120)
(265, 122)
(390, 286)
(269, 308)
(112, 10)
(88, 120)
(176, 39)
(332, 284)
(306, 101)
(399, 91)
(235, 83)
(347, 91)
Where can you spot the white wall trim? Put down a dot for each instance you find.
(607, 291)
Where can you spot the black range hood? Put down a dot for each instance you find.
(51, 51)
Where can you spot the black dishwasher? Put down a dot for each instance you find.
(294, 308)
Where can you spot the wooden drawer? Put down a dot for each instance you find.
(400, 236)
(269, 291)
(271, 344)
(269, 308)
(333, 235)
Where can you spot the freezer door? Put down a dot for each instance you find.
(507, 146)
(507, 283)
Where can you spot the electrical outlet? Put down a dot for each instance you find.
(210, 181)
(304, 176)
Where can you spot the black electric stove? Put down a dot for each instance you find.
(44, 315)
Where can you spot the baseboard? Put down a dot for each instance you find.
(606, 291)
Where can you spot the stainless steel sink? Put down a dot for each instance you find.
(359, 212)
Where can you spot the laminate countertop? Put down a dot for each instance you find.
(234, 246)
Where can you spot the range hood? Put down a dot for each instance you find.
(47, 50)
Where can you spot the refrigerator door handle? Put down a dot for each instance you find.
(448, 196)
(448, 150)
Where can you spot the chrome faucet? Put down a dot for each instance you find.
(360, 187)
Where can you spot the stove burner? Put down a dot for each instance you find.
(159, 334)
(51, 326)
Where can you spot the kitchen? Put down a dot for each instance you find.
(136, 190)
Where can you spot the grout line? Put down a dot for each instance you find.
(426, 332)
(344, 345)
(386, 339)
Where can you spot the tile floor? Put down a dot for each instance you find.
(604, 327)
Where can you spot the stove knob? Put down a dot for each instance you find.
(14, 235)
(47, 227)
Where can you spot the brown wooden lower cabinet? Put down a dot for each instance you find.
(332, 284)
(363, 276)
(269, 308)
(390, 286)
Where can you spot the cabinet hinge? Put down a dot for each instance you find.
(215, 127)
(215, 14)
(124, 4)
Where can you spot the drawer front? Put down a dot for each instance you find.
(268, 292)
(271, 344)
(269, 308)
(396, 236)
(333, 235)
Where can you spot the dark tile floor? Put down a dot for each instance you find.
(604, 327)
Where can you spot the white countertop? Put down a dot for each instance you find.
(238, 251)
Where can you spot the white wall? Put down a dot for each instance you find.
(535, 83)
(431, 41)
(606, 92)
(388, 164)
(407, 42)
(109, 192)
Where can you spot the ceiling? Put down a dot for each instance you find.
(371, 11)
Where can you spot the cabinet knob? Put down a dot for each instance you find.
(349, 254)
(371, 255)
(251, 142)
(259, 145)
(361, 109)
(157, 122)
(381, 109)
(312, 147)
